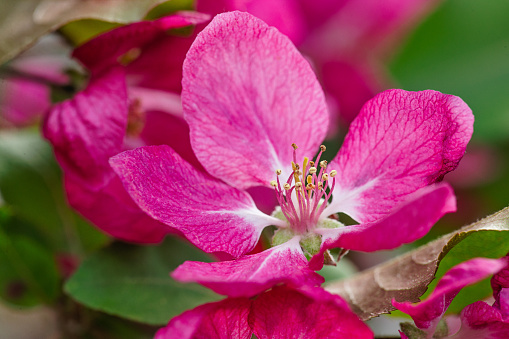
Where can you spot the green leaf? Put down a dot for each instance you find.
(28, 271)
(30, 183)
(133, 282)
(23, 22)
(462, 50)
(406, 277)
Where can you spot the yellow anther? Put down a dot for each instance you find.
(298, 172)
(305, 164)
(333, 173)
(294, 146)
(323, 163)
(310, 186)
(312, 170)
(320, 185)
(287, 186)
(273, 183)
(311, 163)
(309, 179)
(278, 172)
(322, 148)
(298, 185)
(325, 177)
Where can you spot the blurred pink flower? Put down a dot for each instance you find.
(247, 96)
(25, 92)
(132, 99)
(280, 313)
(478, 320)
(346, 40)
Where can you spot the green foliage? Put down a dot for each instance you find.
(31, 185)
(462, 49)
(28, 270)
(133, 282)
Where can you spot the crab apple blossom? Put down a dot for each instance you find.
(125, 104)
(248, 96)
(478, 320)
(25, 93)
(282, 312)
(347, 41)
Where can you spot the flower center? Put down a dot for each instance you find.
(303, 196)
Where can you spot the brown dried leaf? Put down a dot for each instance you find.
(406, 277)
(23, 22)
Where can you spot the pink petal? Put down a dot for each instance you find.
(401, 141)
(252, 274)
(479, 320)
(256, 95)
(426, 314)
(410, 222)
(104, 51)
(285, 15)
(159, 65)
(307, 313)
(87, 130)
(22, 101)
(162, 128)
(112, 210)
(212, 215)
(350, 84)
(499, 282)
(220, 320)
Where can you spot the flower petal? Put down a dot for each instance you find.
(87, 130)
(112, 210)
(252, 274)
(410, 222)
(310, 313)
(106, 50)
(500, 282)
(401, 141)
(480, 320)
(256, 95)
(426, 314)
(212, 215)
(220, 320)
(22, 101)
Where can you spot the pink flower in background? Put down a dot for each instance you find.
(478, 320)
(132, 99)
(346, 40)
(280, 313)
(25, 94)
(248, 95)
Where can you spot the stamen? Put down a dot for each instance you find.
(303, 197)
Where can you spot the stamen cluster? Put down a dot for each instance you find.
(303, 196)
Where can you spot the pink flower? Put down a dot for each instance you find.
(26, 94)
(248, 95)
(282, 312)
(478, 320)
(347, 41)
(125, 104)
